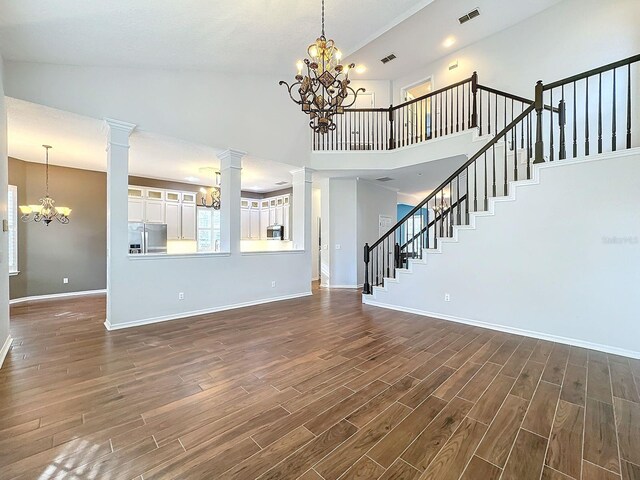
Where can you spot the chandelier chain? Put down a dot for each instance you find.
(46, 169)
(323, 18)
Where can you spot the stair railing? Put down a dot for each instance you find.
(506, 157)
(449, 110)
(594, 112)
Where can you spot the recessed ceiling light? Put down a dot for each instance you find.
(361, 69)
(281, 183)
(448, 42)
(192, 179)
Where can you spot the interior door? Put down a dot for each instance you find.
(360, 123)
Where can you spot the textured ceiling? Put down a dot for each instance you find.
(80, 142)
(223, 35)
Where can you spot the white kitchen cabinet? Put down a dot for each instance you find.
(254, 230)
(188, 197)
(264, 220)
(173, 214)
(154, 211)
(245, 224)
(136, 210)
(188, 221)
(173, 197)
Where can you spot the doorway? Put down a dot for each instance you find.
(418, 120)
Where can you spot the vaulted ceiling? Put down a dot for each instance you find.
(250, 36)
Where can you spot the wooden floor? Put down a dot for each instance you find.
(315, 388)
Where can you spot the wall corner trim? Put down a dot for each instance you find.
(5, 349)
(184, 315)
(53, 296)
(501, 328)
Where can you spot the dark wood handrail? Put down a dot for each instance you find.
(444, 184)
(594, 71)
(432, 94)
(434, 221)
(506, 94)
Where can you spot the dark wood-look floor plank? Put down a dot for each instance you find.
(630, 471)
(400, 471)
(450, 462)
(227, 396)
(622, 381)
(574, 385)
(601, 443)
(539, 418)
(343, 457)
(628, 426)
(481, 469)
(391, 446)
(594, 472)
(496, 444)
(527, 457)
(599, 381)
(427, 445)
(486, 408)
(565, 444)
(364, 469)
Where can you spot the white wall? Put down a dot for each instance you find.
(4, 268)
(353, 208)
(210, 283)
(343, 232)
(568, 38)
(373, 201)
(250, 112)
(316, 214)
(146, 289)
(578, 281)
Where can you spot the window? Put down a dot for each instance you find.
(12, 214)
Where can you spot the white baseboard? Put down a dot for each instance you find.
(502, 328)
(343, 286)
(205, 311)
(5, 349)
(56, 295)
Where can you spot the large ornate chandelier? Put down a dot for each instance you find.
(324, 89)
(46, 212)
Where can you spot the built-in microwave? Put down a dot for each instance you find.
(275, 232)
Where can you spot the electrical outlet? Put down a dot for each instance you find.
(337, 246)
(273, 284)
(447, 297)
(65, 280)
(181, 296)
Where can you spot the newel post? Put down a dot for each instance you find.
(392, 140)
(473, 122)
(366, 288)
(538, 105)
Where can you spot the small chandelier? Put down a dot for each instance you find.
(46, 211)
(214, 192)
(325, 87)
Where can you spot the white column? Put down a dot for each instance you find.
(302, 200)
(230, 187)
(117, 200)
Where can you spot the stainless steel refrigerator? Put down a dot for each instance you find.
(147, 238)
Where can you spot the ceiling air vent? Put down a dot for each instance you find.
(281, 183)
(388, 58)
(469, 16)
(384, 179)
